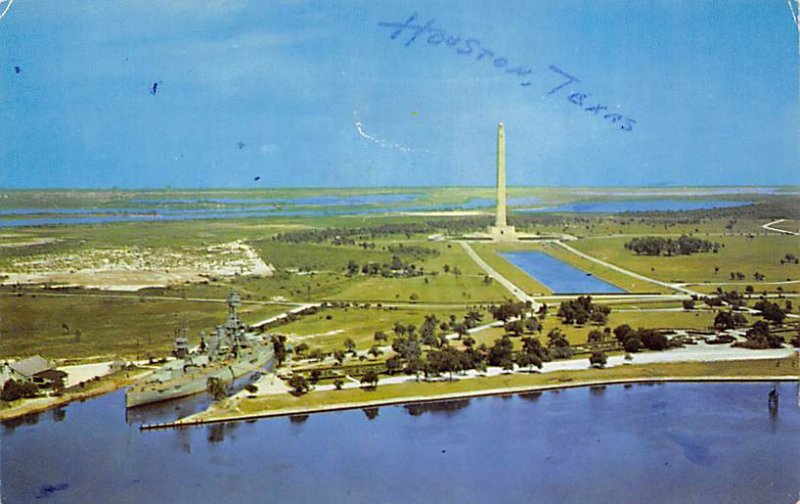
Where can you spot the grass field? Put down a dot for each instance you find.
(108, 325)
(359, 324)
(739, 254)
(578, 335)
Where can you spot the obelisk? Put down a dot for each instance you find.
(500, 219)
(501, 231)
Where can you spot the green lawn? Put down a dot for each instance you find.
(359, 324)
(739, 254)
(111, 325)
(578, 335)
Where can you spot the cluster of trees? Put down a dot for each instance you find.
(635, 340)
(771, 311)
(760, 337)
(790, 259)
(13, 390)
(656, 245)
(395, 268)
(448, 359)
(417, 251)
(729, 320)
(581, 311)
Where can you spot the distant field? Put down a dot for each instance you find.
(108, 325)
(739, 254)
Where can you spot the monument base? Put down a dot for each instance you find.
(502, 233)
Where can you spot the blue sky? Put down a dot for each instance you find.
(320, 95)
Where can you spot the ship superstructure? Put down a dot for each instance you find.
(230, 352)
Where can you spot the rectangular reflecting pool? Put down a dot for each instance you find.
(559, 276)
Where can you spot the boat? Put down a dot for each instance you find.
(230, 352)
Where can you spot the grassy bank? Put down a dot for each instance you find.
(286, 404)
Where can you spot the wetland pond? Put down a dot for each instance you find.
(187, 209)
(677, 442)
(559, 276)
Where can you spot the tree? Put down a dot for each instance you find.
(300, 348)
(299, 384)
(375, 351)
(532, 324)
(472, 318)
(394, 364)
(338, 355)
(623, 332)
(279, 348)
(13, 390)
(598, 317)
(527, 360)
(514, 327)
(217, 388)
(370, 379)
(595, 336)
(723, 321)
(633, 344)
(338, 383)
(381, 336)
(598, 359)
(558, 345)
(500, 351)
(688, 304)
(350, 345)
(652, 339)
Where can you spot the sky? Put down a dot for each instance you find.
(266, 94)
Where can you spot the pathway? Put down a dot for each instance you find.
(505, 282)
(673, 286)
(768, 227)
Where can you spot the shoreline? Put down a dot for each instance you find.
(201, 419)
(48, 403)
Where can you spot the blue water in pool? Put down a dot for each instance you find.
(558, 275)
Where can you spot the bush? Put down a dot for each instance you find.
(14, 390)
(633, 344)
(598, 359)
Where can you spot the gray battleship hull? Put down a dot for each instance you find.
(196, 383)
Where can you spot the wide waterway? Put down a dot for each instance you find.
(678, 442)
(165, 210)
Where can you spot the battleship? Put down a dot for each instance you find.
(230, 352)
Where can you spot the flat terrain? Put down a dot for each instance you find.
(183, 262)
(739, 254)
(62, 326)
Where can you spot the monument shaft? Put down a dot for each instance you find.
(500, 220)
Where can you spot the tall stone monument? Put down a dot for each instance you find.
(501, 231)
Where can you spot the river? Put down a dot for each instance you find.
(678, 442)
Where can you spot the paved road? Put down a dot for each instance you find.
(505, 282)
(768, 227)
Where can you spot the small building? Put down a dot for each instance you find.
(34, 369)
(49, 378)
(26, 369)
